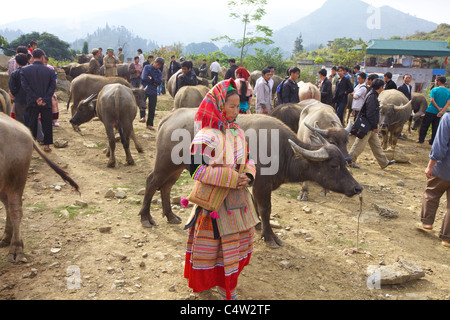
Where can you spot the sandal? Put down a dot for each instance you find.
(445, 243)
(420, 226)
(47, 149)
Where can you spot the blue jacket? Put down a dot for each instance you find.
(440, 151)
(38, 81)
(151, 79)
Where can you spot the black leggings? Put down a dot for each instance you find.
(429, 118)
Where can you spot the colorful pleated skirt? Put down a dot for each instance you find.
(211, 261)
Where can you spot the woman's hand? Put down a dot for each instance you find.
(243, 181)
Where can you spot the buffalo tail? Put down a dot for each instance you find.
(60, 171)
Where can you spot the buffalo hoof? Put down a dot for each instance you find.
(303, 197)
(140, 150)
(111, 164)
(148, 223)
(131, 162)
(173, 219)
(273, 242)
(17, 258)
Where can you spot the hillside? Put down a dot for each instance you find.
(349, 18)
(441, 33)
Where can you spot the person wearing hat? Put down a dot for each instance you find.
(121, 56)
(94, 63)
(110, 63)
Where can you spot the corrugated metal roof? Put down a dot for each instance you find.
(407, 48)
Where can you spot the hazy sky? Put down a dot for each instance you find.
(433, 10)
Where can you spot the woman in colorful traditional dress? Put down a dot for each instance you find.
(221, 227)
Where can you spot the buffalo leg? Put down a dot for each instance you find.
(303, 196)
(126, 146)
(262, 197)
(112, 146)
(13, 204)
(136, 142)
(7, 235)
(150, 188)
(165, 198)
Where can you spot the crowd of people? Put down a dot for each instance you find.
(215, 258)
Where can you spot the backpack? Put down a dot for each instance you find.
(278, 98)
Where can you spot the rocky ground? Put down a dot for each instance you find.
(92, 247)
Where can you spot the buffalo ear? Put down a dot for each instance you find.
(93, 105)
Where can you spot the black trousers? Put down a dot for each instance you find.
(429, 119)
(152, 99)
(214, 77)
(46, 121)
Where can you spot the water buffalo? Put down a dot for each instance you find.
(395, 110)
(88, 84)
(123, 71)
(190, 96)
(324, 165)
(317, 117)
(5, 102)
(116, 104)
(419, 106)
(172, 83)
(16, 148)
(74, 70)
(306, 91)
(84, 58)
(289, 114)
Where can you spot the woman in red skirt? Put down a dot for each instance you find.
(220, 242)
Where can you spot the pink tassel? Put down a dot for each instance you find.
(245, 209)
(184, 203)
(214, 215)
(229, 212)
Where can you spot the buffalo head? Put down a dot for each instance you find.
(388, 113)
(336, 135)
(139, 95)
(327, 167)
(85, 111)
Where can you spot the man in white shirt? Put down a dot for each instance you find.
(215, 69)
(141, 57)
(263, 92)
(359, 94)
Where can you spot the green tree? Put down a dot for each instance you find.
(248, 11)
(262, 59)
(3, 42)
(85, 49)
(51, 44)
(298, 45)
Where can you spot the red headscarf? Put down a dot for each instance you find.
(210, 113)
(243, 72)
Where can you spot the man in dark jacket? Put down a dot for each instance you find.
(151, 79)
(326, 91)
(15, 87)
(371, 112)
(406, 88)
(39, 83)
(389, 83)
(187, 77)
(289, 90)
(231, 70)
(173, 67)
(343, 88)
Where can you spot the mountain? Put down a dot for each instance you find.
(351, 19)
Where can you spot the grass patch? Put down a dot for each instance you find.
(75, 210)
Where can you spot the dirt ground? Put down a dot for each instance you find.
(71, 257)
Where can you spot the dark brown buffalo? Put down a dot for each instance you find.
(289, 114)
(87, 85)
(324, 165)
(16, 148)
(419, 106)
(116, 104)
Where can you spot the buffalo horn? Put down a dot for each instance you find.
(90, 98)
(316, 155)
(316, 129)
(349, 126)
(402, 107)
